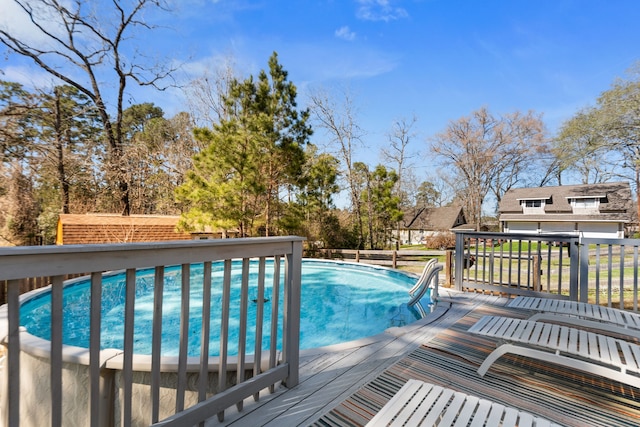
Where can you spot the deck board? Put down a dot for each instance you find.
(347, 386)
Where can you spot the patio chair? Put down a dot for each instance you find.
(429, 274)
(420, 403)
(581, 314)
(579, 349)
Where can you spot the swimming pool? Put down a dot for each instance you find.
(340, 302)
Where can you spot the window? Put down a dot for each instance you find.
(586, 205)
(589, 203)
(532, 206)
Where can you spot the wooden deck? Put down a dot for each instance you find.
(347, 385)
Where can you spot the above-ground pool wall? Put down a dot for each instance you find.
(141, 404)
(35, 392)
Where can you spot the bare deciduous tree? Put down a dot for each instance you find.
(398, 154)
(340, 123)
(490, 153)
(205, 95)
(89, 47)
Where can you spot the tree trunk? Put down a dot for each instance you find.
(62, 179)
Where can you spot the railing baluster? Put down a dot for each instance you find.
(510, 261)
(560, 267)
(275, 296)
(635, 277)
(519, 262)
(156, 343)
(257, 369)
(477, 263)
(94, 348)
(501, 259)
(598, 273)
(203, 382)
(621, 280)
(529, 267)
(484, 259)
(57, 283)
(549, 267)
(242, 335)
(127, 364)
(184, 336)
(224, 331)
(609, 276)
(13, 301)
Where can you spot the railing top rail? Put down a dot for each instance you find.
(40, 261)
(547, 237)
(615, 242)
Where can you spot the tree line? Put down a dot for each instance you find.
(242, 157)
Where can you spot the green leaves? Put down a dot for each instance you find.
(251, 157)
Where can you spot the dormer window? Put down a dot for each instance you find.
(585, 204)
(532, 206)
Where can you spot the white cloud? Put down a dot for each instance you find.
(340, 62)
(345, 33)
(27, 76)
(15, 20)
(380, 10)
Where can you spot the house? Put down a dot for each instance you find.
(592, 210)
(420, 223)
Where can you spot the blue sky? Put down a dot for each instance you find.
(437, 60)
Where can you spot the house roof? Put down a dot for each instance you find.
(113, 228)
(616, 203)
(433, 218)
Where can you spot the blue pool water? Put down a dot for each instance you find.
(339, 302)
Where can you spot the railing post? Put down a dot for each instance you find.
(448, 268)
(459, 260)
(577, 257)
(537, 273)
(491, 266)
(291, 338)
(584, 273)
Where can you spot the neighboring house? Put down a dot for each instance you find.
(421, 223)
(592, 210)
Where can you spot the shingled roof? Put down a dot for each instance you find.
(112, 228)
(616, 203)
(434, 218)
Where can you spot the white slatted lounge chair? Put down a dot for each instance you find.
(575, 348)
(420, 403)
(581, 314)
(429, 274)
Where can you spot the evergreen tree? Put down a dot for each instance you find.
(252, 158)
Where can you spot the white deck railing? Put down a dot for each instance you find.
(595, 270)
(114, 375)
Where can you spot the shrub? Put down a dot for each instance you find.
(441, 241)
